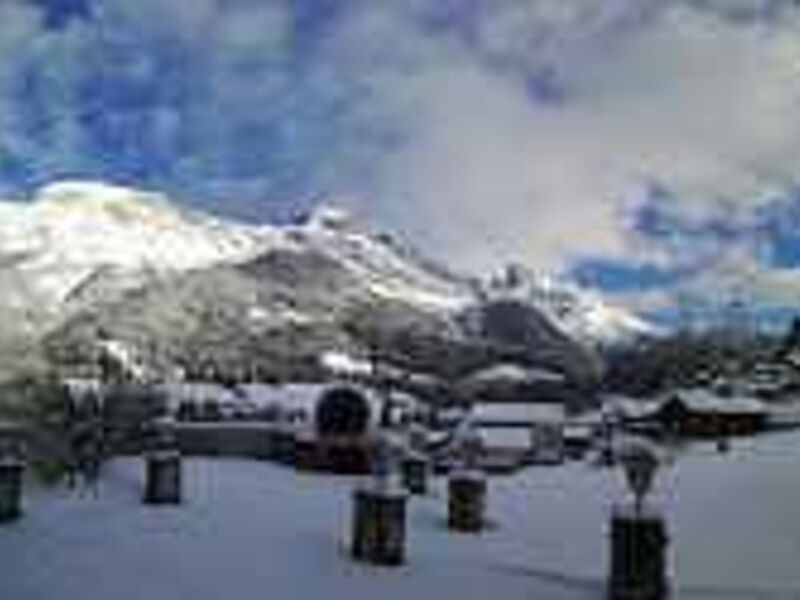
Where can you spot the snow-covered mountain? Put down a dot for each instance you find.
(579, 312)
(85, 257)
(73, 229)
(76, 244)
(386, 267)
(76, 236)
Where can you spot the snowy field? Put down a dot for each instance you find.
(253, 530)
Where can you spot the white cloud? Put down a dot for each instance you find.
(487, 178)
(702, 97)
(708, 107)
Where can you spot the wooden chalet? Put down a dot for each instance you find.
(700, 413)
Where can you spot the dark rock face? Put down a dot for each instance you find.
(525, 334)
(307, 270)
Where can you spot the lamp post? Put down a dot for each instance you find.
(640, 465)
(415, 465)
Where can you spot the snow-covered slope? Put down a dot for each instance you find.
(75, 235)
(387, 269)
(73, 230)
(579, 312)
(81, 259)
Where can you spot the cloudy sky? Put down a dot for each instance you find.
(648, 147)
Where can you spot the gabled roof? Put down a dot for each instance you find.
(512, 373)
(626, 407)
(702, 400)
(518, 413)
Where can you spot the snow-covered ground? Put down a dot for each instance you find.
(255, 530)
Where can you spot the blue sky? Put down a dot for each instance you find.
(647, 147)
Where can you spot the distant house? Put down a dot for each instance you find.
(205, 401)
(511, 383)
(578, 438)
(315, 426)
(773, 380)
(700, 413)
(617, 409)
(520, 410)
(512, 415)
(296, 402)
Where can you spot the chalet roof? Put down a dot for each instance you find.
(577, 431)
(703, 400)
(523, 414)
(342, 363)
(512, 373)
(626, 407)
(506, 437)
(510, 383)
(198, 392)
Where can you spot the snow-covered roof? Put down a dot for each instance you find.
(518, 413)
(341, 363)
(507, 372)
(701, 399)
(506, 437)
(200, 391)
(577, 431)
(626, 407)
(590, 418)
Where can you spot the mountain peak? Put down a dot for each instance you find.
(332, 217)
(578, 311)
(79, 235)
(94, 199)
(71, 230)
(75, 188)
